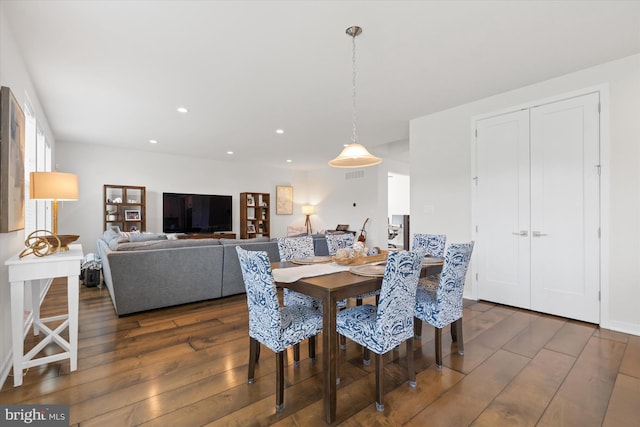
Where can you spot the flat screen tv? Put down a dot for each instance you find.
(195, 213)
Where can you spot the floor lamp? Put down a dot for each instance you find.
(308, 210)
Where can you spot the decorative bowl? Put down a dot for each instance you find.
(65, 239)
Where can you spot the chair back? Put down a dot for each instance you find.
(433, 244)
(451, 285)
(394, 319)
(262, 298)
(338, 241)
(295, 247)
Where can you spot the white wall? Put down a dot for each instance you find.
(14, 75)
(441, 192)
(350, 196)
(99, 165)
(399, 188)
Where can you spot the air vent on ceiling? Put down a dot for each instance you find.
(354, 174)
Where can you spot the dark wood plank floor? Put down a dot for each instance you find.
(187, 366)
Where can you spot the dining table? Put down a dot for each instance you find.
(332, 286)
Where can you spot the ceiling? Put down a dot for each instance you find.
(114, 72)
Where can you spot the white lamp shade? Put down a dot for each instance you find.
(53, 186)
(354, 155)
(308, 210)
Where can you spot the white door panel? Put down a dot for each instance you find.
(538, 175)
(503, 209)
(564, 208)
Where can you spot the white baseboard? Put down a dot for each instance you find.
(5, 368)
(624, 327)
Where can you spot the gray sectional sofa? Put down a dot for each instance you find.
(144, 272)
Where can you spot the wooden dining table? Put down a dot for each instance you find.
(330, 289)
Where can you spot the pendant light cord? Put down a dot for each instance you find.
(354, 135)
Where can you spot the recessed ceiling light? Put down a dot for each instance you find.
(279, 131)
(153, 141)
(182, 110)
(289, 161)
(229, 152)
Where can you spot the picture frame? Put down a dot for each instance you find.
(12, 157)
(284, 200)
(132, 215)
(250, 200)
(251, 228)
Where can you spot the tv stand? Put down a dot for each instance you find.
(208, 236)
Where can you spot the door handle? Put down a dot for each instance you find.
(537, 234)
(520, 233)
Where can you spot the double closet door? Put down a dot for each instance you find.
(536, 208)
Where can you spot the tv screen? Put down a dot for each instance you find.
(195, 213)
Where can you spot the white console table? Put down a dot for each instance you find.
(33, 269)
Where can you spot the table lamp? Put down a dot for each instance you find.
(55, 186)
(308, 210)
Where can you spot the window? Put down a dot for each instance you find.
(38, 158)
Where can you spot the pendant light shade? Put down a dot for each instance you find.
(354, 155)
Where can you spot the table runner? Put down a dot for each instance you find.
(291, 274)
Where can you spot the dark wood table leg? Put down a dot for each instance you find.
(329, 357)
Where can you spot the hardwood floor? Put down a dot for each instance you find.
(187, 366)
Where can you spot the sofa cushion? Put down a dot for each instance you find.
(242, 241)
(163, 244)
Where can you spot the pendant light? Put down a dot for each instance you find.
(354, 155)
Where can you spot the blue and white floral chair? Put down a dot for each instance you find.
(297, 247)
(300, 247)
(442, 306)
(338, 241)
(274, 326)
(433, 245)
(381, 328)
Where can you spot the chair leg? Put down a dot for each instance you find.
(343, 342)
(458, 328)
(257, 351)
(253, 344)
(358, 301)
(410, 367)
(454, 332)
(279, 381)
(312, 348)
(296, 355)
(379, 383)
(439, 348)
(366, 356)
(417, 328)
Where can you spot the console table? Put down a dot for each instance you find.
(33, 269)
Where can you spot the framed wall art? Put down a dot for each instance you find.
(284, 200)
(11, 163)
(132, 215)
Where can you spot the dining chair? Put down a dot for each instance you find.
(385, 326)
(274, 326)
(433, 245)
(299, 247)
(442, 306)
(338, 241)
